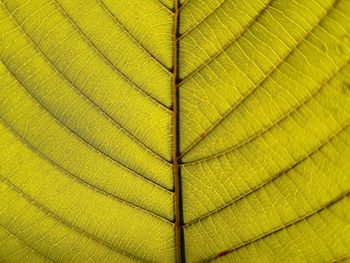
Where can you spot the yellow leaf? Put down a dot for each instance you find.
(174, 131)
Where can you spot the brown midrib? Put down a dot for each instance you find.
(179, 238)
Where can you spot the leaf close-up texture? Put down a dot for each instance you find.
(174, 131)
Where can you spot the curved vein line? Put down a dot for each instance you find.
(275, 123)
(327, 205)
(340, 259)
(274, 177)
(88, 99)
(105, 59)
(63, 221)
(225, 47)
(85, 142)
(165, 6)
(133, 38)
(78, 178)
(265, 78)
(213, 11)
(183, 5)
(26, 245)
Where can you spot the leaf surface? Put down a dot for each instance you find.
(164, 131)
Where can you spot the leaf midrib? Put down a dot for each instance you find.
(179, 235)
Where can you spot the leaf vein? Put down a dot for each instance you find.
(201, 21)
(251, 91)
(223, 50)
(133, 38)
(78, 178)
(59, 122)
(287, 225)
(165, 7)
(276, 122)
(107, 61)
(87, 98)
(27, 245)
(274, 177)
(66, 223)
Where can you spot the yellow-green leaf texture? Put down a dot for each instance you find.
(165, 131)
